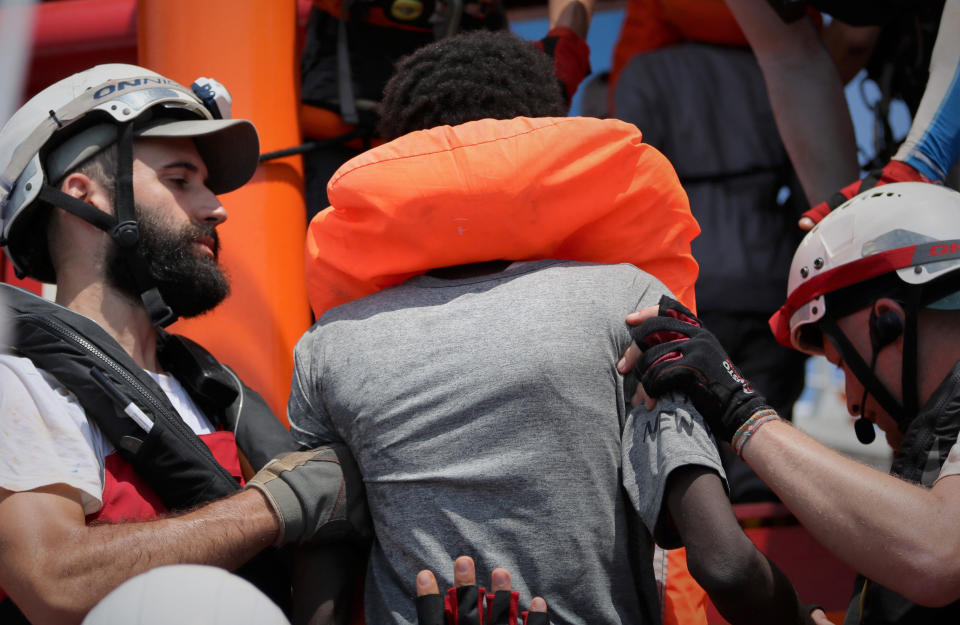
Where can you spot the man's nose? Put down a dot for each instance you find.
(211, 210)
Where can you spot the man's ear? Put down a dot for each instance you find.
(86, 189)
(887, 321)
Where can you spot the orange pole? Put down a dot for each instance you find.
(250, 47)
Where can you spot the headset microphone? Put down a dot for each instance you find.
(864, 430)
(885, 328)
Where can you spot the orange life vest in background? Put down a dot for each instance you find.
(573, 188)
(653, 24)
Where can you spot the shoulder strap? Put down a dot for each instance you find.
(70, 347)
(220, 393)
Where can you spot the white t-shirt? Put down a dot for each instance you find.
(951, 465)
(45, 437)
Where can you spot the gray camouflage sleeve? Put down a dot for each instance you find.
(656, 443)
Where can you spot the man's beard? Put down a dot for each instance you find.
(191, 283)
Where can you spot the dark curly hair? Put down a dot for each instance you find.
(475, 75)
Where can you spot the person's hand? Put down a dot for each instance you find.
(632, 355)
(465, 604)
(317, 495)
(894, 171)
(676, 353)
(820, 617)
(571, 57)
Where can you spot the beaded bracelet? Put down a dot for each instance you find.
(751, 425)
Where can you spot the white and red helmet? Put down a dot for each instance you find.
(910, 229)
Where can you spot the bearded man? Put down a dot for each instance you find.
(108, 424)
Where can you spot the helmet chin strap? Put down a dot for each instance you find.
(914, 299)
(903, 414)
(126, 232)
(123, 229)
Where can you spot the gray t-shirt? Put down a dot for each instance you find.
(486, 415)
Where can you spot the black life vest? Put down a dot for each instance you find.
(925, 447)
(172, 459)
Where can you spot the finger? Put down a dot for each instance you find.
(464, 572)
(629, 360)
(648, 402)
(805, 223)
(500, 580)
(538, 605)
(427, 584)
(639, 397)
(639, 316)
(429, 600)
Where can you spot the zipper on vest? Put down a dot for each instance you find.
(185, 433)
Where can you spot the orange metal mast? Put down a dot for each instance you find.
(251, 48)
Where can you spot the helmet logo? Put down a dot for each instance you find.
(120, 85)
(951, 248)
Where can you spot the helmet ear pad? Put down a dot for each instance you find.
(885, 328)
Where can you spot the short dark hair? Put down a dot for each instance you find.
(102, 168)
(475, 75)
(31, 233)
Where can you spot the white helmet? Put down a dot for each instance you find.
(910, 228)
(77, 117)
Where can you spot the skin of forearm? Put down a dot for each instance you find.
(88, 562)
(898, 534)
(574, 14)
(743, 584)
(807, 97)
(772, 598)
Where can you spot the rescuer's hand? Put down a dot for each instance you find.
(571, 58)
(894, 171)
(317, 495)
(677, 354)
(468, 605)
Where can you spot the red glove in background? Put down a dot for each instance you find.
(894, 171)
(571, 57)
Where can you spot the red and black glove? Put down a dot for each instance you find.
(469, 605)
(571, 57)
(680, 355)
(894, 171)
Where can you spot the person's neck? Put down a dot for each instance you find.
(123, 317)
(471, 270)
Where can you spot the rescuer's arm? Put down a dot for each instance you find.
(898, 534)
(806, 95)
(932, 146)
(55, 567)
(565, 42)
(574, 14)
(742, 583)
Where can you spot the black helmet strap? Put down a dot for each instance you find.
(126, 232)
(864, 373)
(123, 228)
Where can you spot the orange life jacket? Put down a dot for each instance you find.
(653, 24)
(573, 188)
